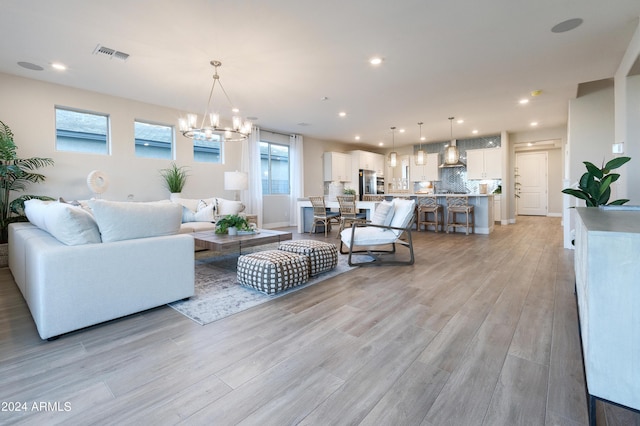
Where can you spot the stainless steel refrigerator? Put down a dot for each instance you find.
(367, 182)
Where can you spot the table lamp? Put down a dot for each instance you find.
(236, 181)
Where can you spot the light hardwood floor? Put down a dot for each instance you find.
(482, 330)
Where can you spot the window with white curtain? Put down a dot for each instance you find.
(274, 163)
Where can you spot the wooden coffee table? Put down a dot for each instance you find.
(219, 242)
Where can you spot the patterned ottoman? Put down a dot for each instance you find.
(323, 256)
(272, 271)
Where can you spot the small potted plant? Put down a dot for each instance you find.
(349, 191)
(175, 178)
(231, 224)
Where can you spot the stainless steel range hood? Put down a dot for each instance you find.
(458, 163)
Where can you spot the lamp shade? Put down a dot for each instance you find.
(236, 181)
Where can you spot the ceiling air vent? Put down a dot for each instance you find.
(111, 53)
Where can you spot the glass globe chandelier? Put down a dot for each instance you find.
(451, 154)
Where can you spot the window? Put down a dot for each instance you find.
(208, 151)
(274, 160)
(153, 140)
(82, 131)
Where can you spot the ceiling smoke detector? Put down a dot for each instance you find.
(111, 53)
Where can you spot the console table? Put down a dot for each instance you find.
(608, 293)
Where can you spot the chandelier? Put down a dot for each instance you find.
(193, 128)
(451, 154)
(421, 156)
(392, 160)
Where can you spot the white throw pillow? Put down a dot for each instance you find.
(188, 215)
(205, 212)
(128, 220)
(227, 207)
(35, 211)
(383, 214)
(71, 225)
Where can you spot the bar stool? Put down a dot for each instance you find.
(460, 205)
(427, 205)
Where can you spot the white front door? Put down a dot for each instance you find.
(531, 183)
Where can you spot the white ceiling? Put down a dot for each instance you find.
(465, 58)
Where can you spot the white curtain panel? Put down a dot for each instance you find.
(252, 197)
(297, 176)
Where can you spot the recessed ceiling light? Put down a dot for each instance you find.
(357, 138)
(375, 60)
(474, 131)
(534, 123)
(58, 66)
(235, 110)
(460, 121)
(342, 114)
(401, 130)
(529, 144)
(423, 138)
(523, 101)
(567, 25)
(380, 143)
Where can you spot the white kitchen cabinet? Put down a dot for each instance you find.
(428, 172)
(337, 167)
(484, 163)
(497, 208)
(368, 161)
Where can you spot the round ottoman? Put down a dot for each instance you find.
(322, 256)
(272, 271)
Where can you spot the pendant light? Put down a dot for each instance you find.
(421, 156)
(392, 160)
(451, 154)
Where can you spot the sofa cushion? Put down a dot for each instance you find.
(69, 224)
(205, 212)
(402, 214)
(128, 220)
(227, 207)
(192, 203)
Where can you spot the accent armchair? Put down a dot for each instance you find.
(390, 222)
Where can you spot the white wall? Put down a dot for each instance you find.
(27, 107)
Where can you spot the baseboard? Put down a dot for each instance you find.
(554, 214)
(275, 225)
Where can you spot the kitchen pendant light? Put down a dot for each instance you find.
(392, 160)
(421, 156)
(451, 154)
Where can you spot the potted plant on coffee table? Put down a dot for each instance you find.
(15, 175)
(231, 224)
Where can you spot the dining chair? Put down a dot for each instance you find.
(349, 214)
(322, 215)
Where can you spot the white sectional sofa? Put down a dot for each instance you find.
(71, 281)
(200, 214)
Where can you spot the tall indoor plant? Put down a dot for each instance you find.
(175, 177)
(594, 186)
(15, 175)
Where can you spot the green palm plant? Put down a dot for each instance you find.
(15, 175)
(595, 185)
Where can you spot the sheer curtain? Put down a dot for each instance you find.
(296, 161)
(251, 164)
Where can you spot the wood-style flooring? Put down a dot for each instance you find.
(482, 330)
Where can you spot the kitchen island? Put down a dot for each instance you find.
(483, 209)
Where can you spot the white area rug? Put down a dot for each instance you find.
(218, 293)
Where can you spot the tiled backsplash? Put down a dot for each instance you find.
(454, 179)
